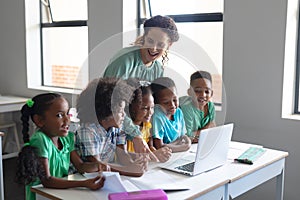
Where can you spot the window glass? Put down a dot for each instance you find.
(206, 36)
(176, 7)
(209, 37)
(65, 49)
(64, 10)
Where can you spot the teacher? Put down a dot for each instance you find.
(141, 60)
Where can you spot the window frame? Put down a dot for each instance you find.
(182, 18)
(289, 92)
(54, 24)
(297, 70)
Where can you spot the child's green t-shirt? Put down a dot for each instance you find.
(193, 117)
(58, 160)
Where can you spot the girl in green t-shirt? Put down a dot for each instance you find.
(46, 156)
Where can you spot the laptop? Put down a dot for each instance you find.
(210, 153)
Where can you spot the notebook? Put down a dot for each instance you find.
(211, 152)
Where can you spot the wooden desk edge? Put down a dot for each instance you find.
(44, 194)
(258, 168)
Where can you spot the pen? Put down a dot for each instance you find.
(245, 160)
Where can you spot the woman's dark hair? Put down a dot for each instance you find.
(99, 99)
(159, 84)
(141, 88)
(167, 25)
(29, 167)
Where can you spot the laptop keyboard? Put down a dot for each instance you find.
(187, 167)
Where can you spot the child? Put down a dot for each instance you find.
(46, 156)
(168, 127)
(198, 110)
(141, 111)
(101, 112)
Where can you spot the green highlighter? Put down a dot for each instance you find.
(250, 155)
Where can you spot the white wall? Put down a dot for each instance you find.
(253, 72)
(254, 34)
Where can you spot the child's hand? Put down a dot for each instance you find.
(139, 166)
(103, 167)
(142, 160)
(183, 144)
(186, 140)
(163, 154)
(140, 146)
(95, 183)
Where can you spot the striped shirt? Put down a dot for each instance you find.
(93, 139)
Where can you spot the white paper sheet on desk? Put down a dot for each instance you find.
(157, 180)
(112, 182)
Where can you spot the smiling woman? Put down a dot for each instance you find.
(140, 61)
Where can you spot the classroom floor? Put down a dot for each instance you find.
(12, 191)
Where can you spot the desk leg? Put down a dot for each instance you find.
(226, 193)
(1, 173)
(280, 185)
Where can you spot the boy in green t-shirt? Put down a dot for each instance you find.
(197, 108)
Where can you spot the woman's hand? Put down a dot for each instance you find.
(95, 183)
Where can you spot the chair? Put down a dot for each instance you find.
(10, 126)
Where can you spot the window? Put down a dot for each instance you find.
(290, 90)
(64, 35)
(200, 47)
(297, 77)
(57, 44)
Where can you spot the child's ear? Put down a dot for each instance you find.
(190, 92)
(38, 120)
(212, 93)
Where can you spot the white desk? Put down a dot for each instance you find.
(11, 103)
(230, 180)
(245, 177)
(203, 187)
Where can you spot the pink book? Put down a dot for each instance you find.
(156, 194)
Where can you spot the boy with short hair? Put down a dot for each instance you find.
(197, 108)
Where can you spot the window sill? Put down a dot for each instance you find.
(56, 89)
(291, 116)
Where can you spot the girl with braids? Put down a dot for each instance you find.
(141, 110)
(46, 155)
(141, 61)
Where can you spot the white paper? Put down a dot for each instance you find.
(130, 187)
(113, 182)
(157, 180)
